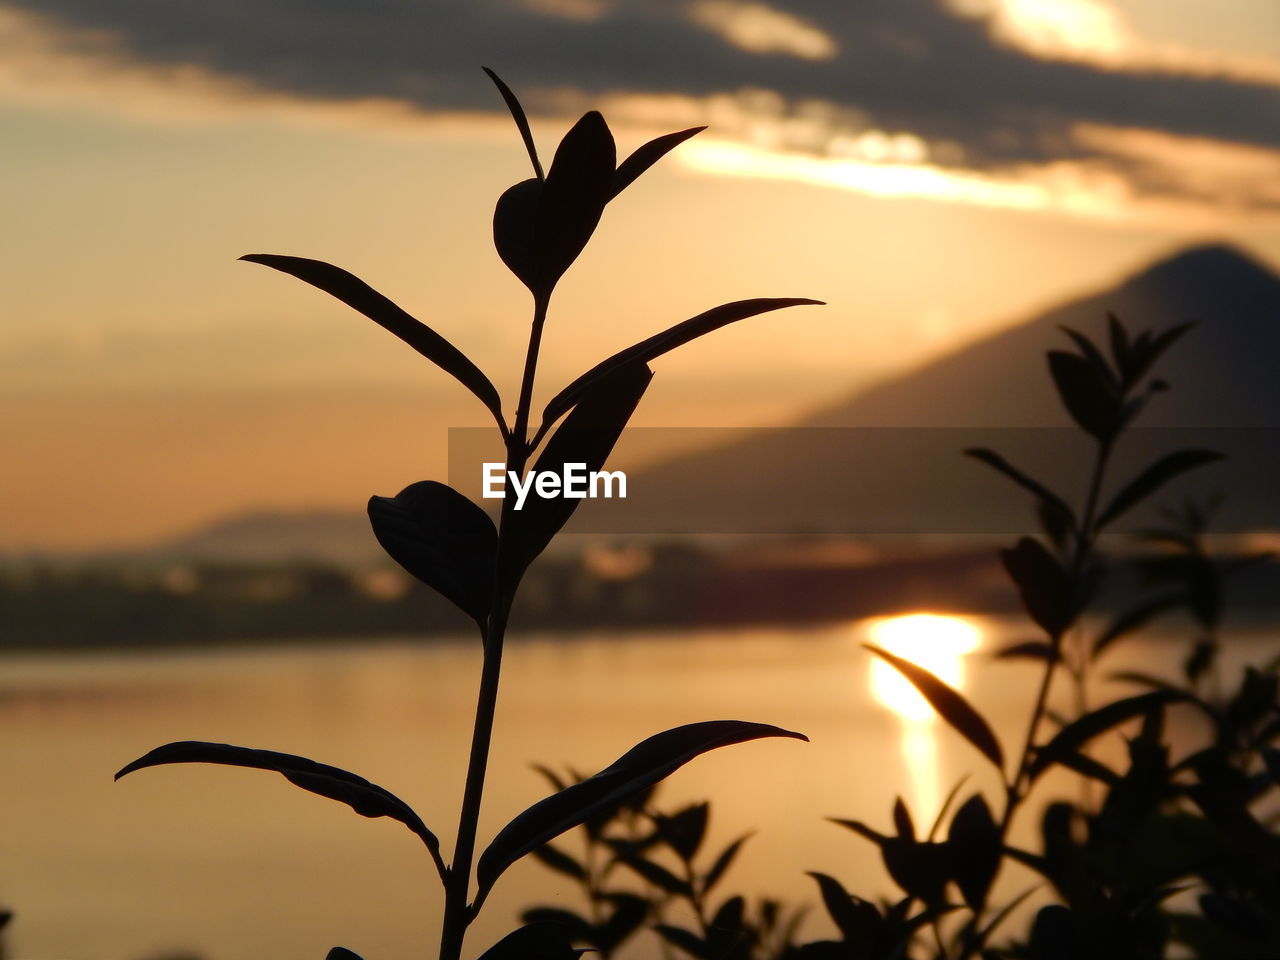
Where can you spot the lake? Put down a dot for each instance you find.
(236, 864)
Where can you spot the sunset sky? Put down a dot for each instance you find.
(931, 168)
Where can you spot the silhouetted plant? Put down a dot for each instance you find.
(638, 843)
(540, 226)
(1122, 868)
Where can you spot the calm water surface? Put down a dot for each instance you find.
(237, 865)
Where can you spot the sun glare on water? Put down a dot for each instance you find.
(939, 644)
(936, 642)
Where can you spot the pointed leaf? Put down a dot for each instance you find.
(559, 861)
(1079, 732)
(341, 953)
(902, 820)
(640, 767)
(660, 343)
(684, 831)
(861, 829)
(365, 798)
(722, 863)
(1047, 497)
(1091, 353)
(646, 156)
(659, 876)
(1088, 396)
(1028, 650)
(686, 940)
(522, 122)
(443, 539)
(1153, 478)
(586, 437)
(1121, 352)
(857, 920)
(358, 295)
(573, 926)
(1147, 349)
(951, 706)
(1131, 620)
(534, 941)
(975, 841)
(946, 805)
(514, 237)
(629, 911)
(1042, 585)
(577, 187)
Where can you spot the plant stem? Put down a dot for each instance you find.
(457, 913)
(1014, 791)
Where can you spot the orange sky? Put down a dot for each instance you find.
(150, 382)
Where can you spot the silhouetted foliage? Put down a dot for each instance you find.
(540, 226)
(1172, 858)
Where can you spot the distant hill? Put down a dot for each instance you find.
(267, 536)
(822, 475)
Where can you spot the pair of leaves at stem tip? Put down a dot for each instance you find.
(542, 224)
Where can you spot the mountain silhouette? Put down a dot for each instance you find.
(840, 469)
(1223, 373)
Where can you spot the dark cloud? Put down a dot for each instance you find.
(908, 65)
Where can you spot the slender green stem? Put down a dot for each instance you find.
(458, 914)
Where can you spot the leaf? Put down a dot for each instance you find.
(514, 218)
(534, 941)
(522, 122)
(902, 820)
(975, 842)
(1121, 352)
(573, 196)
(861, 829)
(1042, 585)
(1131, 620)
(946, 805)
(686, 940)
(951, 706)
(1028, 650)
(629, 911)
(358, 295)
(722, 863)
(1089, 398)
(365, 798)
(643, 765)
(559, 861)
(573, 926)
(1042, 493)
(443, 539)
(1147, 349)
(586, 437)
(659, 876)
(684, 831)
(1079, 732)
(857, 920)
(341, 953)
(660, 343)
(646, 156)
(1091, 353)
(1054, 935)
(1153, 478)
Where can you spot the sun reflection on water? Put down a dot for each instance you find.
(938, 643)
